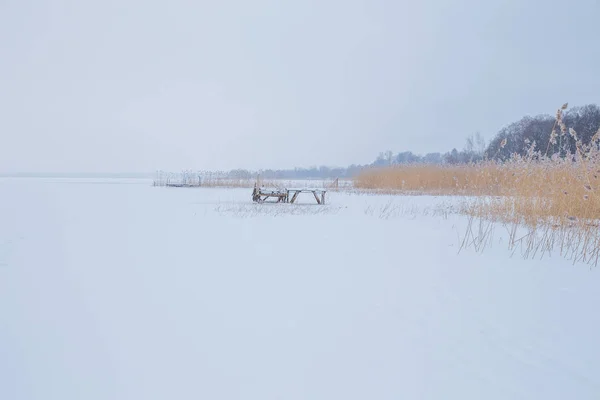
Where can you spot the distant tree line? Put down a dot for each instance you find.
(537, 131)
(321, 172)
(473, 151)
(516, 138)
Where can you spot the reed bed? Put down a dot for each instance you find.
(555, 197)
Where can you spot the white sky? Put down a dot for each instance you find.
(135, 86)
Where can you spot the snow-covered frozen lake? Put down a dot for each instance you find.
(113, 289)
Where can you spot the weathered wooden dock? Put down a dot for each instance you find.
(260, 195)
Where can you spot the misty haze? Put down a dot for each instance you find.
(299, 200)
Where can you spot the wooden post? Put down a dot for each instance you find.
(323, 197)
(294, 197)
(316, 197)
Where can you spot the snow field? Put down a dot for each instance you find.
(120, 290)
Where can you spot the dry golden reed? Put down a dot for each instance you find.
(533, 185)
(472, 179)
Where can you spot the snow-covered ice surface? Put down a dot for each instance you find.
(118, 290)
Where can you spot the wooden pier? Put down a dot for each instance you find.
(259, 195)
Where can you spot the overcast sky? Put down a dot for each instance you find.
(138, 85)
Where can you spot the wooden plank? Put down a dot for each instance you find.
(307, 190)
(270, 195)
(274, 195)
